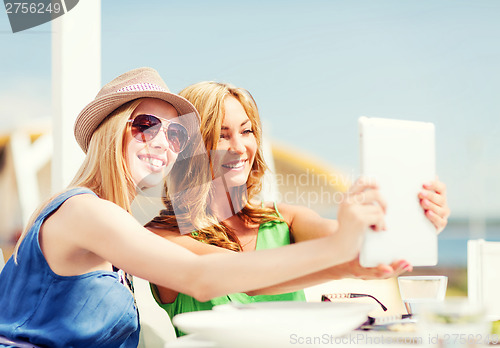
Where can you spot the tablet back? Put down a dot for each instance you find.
(400, 156)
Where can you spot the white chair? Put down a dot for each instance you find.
(483, 275)
(156, 327)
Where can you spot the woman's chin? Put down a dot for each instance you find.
(151, 180)
(234, 181)
(235, 178)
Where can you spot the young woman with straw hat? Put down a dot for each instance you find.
(229, 219)
(61, 288)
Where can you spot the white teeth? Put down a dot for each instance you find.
(155, 162)
(234, 165)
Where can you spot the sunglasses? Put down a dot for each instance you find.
(145, 128)
(330, 297)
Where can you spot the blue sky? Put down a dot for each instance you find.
(313, 67)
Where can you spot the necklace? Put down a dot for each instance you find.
(254, 238)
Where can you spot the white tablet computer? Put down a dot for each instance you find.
(400, 156)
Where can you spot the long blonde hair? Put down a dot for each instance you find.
(104, 169)
(192, 178)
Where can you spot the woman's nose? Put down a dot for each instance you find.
(237, 145)
(160, 140)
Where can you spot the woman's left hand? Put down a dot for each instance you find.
(433, 201)
(353, 269)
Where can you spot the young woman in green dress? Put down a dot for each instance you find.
(228, 218)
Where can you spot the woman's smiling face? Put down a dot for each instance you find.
(237, 145)
(150, 161)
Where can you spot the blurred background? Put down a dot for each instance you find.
(313, 67)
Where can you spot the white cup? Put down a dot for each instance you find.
(417, 291)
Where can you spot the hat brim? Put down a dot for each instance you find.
(95, 112)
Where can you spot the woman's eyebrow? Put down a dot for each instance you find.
(241, 125)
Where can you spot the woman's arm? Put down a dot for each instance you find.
(312, 226)
(91, 225)
(305, 224)
(302, 218)
(350, 269)
(317, 228)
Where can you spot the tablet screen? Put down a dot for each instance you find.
(400, 156)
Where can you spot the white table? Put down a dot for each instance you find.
(360, 339)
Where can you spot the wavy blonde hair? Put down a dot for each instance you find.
(189, 181)
(104, 169)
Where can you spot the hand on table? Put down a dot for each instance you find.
(433, 201)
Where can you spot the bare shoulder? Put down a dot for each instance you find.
(270, 205)
(305, 223)
(90, 214)
(76, 205)
(87, 200)
(65, 234)
(291, 212)
(86, 206)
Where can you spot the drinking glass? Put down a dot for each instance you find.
(418, 290)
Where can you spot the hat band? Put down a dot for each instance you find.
(142, 87)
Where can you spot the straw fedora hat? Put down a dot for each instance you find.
(137, 83)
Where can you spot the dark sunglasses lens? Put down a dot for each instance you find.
(145, 127)
(177, 136)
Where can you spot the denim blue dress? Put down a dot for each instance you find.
(49, 310)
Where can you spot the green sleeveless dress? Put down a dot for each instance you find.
(273, 234)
